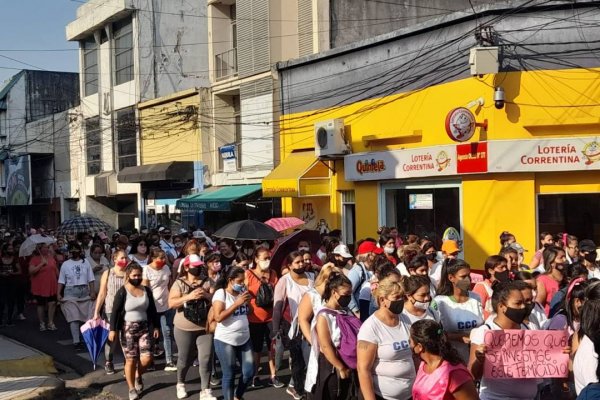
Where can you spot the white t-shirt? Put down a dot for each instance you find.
(159, 283)
(402, 269)
(502, 389)
(142, 263)
(435, 273)
(234, 330)
(410, 319)
(585, 364)
(168, 248)
(594, 273)
(458, 318)
(394, 369)
(76, 273)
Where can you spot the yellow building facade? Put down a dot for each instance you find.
(534, 168)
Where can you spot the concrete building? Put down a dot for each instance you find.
(36, 110)
(528, 161)
(131, 51)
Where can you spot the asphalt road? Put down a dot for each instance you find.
(77, 366)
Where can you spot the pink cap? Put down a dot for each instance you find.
(102, 236)
(193, 260)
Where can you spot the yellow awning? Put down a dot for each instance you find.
(298, 175)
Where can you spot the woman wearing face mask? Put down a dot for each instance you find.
(550, 282)
(511, 311)
(135, 318)
(417, 299)
(192, 337)
(44, 273)
(537, 262)
(191, 247)
(98, 262)
(384, 360)
(232, 337)
(538, 317)
(435, 266)
(261, 317)
(288, 293)
(77, 280)
(458, 309)
(388, 244)
(494, 270)
(213, 268)
(112, 280)
(139, 252)
(334, 379)
(226, 248)
(157, 276)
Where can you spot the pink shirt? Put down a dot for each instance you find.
(441, 383)
(551, 288)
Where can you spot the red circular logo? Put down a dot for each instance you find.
(460, 124)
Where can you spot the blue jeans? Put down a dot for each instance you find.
(227, 356)
(166, 321)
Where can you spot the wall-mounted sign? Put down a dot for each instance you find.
(229, 160)
(18, 181)
(460, 124)
(420, 201)
(472, 158)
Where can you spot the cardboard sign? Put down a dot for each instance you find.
(518, 354)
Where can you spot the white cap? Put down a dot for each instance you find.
(182, 230)
(162, 228)
(193, 260)
(342, 250)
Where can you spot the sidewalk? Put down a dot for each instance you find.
(26, 373)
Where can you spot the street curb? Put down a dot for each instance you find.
(52, 388)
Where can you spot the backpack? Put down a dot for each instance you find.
(265, 296)
(590, 392)
(349, 326)
(195, 311)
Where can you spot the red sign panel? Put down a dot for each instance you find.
(471, 158)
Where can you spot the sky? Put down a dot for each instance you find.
(29, 26)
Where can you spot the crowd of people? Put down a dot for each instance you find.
(397, 318)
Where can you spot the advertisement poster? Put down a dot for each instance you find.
(229, 159)
(18, 181)
(421, 201)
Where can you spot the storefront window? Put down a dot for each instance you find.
(575, 214)
(425, 211)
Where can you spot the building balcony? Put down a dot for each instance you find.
(226, 64)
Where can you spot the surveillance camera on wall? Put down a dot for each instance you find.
(499, 98)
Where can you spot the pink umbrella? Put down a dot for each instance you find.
(285, 223)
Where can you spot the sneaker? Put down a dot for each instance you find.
(276, 383)
(133, 394)
(139, 384)
(109, 368)
(292, 392)
(170, 367)
(52, 327)
(206, 394)
(181, 393)
(21, 317)
(214, 381)
(42, 327)
(255, 382)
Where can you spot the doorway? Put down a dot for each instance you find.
(575, 214)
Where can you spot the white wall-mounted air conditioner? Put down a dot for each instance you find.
(330, 139)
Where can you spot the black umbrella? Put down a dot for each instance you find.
(289, 243)
(247, 230)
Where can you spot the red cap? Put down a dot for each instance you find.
(369, 247)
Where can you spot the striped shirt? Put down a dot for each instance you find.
(114, 284)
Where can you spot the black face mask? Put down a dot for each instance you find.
(502, 276)
(195, 271)
(75, 254)
(343, 301)
(136, 282)
(591, 257)
(299, 271)
(517, 315)
(396, 306)
(431, 256)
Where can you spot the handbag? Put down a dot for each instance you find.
(195, 311)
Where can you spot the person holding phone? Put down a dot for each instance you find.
(231, 306)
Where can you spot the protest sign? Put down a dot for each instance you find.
(525, 354)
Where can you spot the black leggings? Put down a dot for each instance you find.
(329, 386)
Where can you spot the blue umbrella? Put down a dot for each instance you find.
(95, 334)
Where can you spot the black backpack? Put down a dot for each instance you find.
(195, 311)
(265, 296)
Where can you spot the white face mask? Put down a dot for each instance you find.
(264, 264)
(303, 248)
(419, 305)
(389, 250)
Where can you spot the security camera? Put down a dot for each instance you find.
(499, 98)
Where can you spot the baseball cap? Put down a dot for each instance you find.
(450, 246)
(193, 260)
(198, 234)
(102, 236)
(517, 247)
(162, 228)
(587, 245)
(342, 250)
(369, 247)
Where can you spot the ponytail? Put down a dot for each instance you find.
(431, 336)
(336, 279)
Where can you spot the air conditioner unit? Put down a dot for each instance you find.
(330, 140)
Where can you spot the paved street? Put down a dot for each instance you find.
(77, 368)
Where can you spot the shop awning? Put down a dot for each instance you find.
(299, 175)
(169, 171)
(216, 198)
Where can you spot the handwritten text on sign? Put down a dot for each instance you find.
(525, 354)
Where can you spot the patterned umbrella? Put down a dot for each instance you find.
(285, 223)
(91, 225)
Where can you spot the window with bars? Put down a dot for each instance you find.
(123, 45)
(90, 66)
(93, 145)
(126, 138)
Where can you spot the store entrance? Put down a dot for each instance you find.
(575, 214)
(425, 211)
